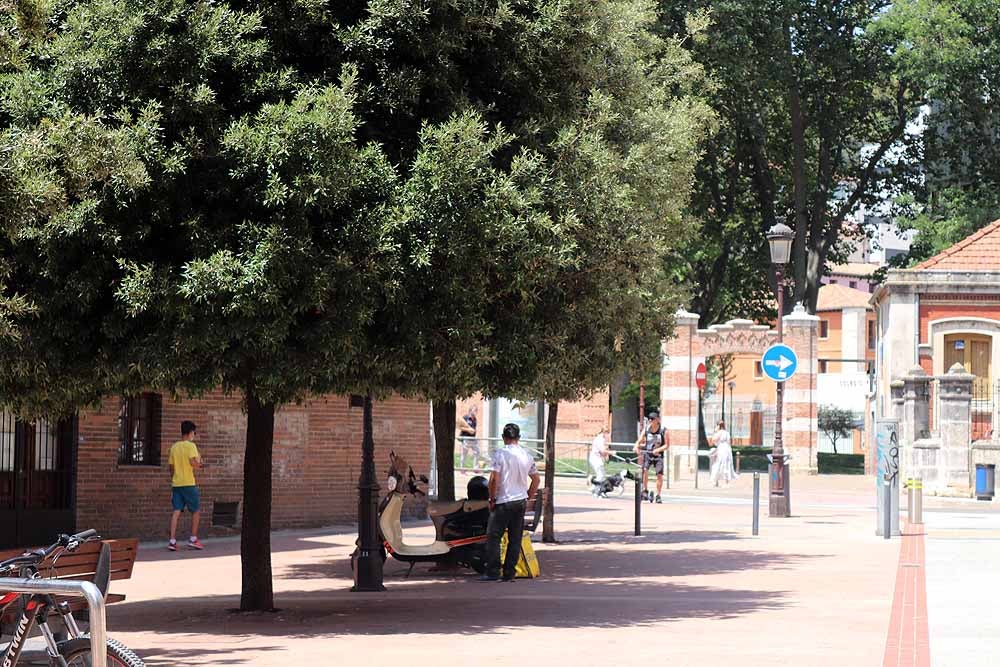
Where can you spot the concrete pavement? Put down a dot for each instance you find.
(695, 589)
(963, 587)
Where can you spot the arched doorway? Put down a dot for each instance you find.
(691, 346)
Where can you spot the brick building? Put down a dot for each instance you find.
(938, 329)
(107, 469)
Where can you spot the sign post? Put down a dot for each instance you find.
(779, 363)
(887, 477)
(700, 379)
(701, 376)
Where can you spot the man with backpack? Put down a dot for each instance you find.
(650, 446)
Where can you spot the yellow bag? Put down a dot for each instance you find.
(527, 564)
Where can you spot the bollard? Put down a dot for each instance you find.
(756, 503)
(887, 510)
(737, 461)
(909, 500)
(918, 501)
(638, 503)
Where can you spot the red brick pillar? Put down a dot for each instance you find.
(678, 392)
(801, 428)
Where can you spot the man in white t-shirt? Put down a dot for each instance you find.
(513, 484)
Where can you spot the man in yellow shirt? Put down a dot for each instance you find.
(184, 460)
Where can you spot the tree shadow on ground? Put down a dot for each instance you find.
(455, 608)
(324, 538)
(162, 657)
(580, 588)
(647, 537)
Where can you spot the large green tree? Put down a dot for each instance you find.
(814, 111)
(288, 198)
(951, 48)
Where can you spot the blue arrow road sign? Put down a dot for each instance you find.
(779, 362)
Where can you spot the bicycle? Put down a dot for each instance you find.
(38, 607)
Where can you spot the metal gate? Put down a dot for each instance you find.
(37, 476)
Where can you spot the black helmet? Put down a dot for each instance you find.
(512, 432)
(477, 488)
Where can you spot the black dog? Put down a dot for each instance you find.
(601, 488)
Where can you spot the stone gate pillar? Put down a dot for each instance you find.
(955, 425)
(678, 392)
(801, 422)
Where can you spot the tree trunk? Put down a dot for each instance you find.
(444, 448)
(255, 537)
(548, 522)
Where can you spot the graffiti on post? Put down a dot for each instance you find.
(892, 461)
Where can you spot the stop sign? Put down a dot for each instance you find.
(700, 376)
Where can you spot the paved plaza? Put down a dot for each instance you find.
(695, 589)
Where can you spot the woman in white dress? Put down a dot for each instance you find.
(722, 460)
(599, 453)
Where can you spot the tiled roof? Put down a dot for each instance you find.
(854, 269)
(838, 297)
(979, 252)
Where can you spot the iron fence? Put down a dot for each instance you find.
(983, 409)
(572, 456)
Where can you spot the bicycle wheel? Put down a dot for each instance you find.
(76, 653)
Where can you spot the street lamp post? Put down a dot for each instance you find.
(732, 385)
(368, 564)
(779, 238)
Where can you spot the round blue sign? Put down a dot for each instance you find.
(779, 362)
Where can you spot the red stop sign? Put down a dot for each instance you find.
(700, 376)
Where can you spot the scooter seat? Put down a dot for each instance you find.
(435, 548)
(443, 508)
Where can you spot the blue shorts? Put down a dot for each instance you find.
(186, 497)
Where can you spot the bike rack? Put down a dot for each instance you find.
(84, 589)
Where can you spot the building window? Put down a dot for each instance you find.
(853, 284)
(8, 434)
(824, 329)
(758, 371)
(871, 334)
(139, 430)
(822, 365)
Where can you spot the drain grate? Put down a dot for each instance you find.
(224, 514)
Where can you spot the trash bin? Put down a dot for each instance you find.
(986, 481)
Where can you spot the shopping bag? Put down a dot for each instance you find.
(527, 563)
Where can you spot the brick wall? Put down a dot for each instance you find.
(317, 461)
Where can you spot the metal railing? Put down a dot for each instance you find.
(85, 589)
(571, 462)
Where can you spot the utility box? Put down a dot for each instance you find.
(986, 481)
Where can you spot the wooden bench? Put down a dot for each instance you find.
(81, 565)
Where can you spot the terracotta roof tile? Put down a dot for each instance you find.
(978, 252)
(838, 297)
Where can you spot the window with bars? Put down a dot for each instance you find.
(139, 430)
(8, 434)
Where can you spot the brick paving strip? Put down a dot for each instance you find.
(908, 643)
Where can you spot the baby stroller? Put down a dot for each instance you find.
(610, 484)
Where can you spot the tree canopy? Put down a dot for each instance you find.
(290, 198)
(951, 48)
(814, 110)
